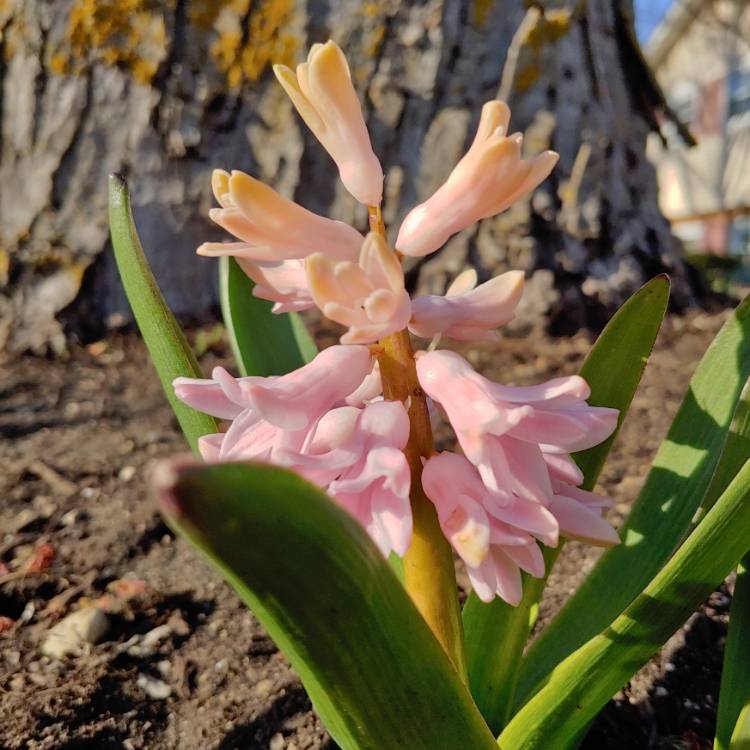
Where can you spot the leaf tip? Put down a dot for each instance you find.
(165, 477)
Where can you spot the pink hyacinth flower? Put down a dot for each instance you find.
(494, 550)
(488, 179)
(293, 403)
(283, 282)
(468, 314)
(270, 227)
(325, 98)
(368, 297)
(578, 511)
(375, 488)
(503, 430)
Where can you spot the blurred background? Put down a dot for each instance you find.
(646, 102)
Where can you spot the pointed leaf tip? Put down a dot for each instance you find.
(165, 479)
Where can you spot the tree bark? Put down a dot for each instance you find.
(166, 91)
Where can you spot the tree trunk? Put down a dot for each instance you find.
(166, 91)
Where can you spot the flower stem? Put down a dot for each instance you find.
(429, 573)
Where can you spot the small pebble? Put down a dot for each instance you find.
(71, 634)
(277, 742)
(264, 688)
(164, 667)
(13, 658)
(70, 518)
(126, 473)
(157, 690)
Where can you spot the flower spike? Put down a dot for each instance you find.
(325, 98)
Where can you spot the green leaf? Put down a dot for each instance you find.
(496, 633)
(263, 343)
(377, 676)
(734, 695)
(734, 454)
(579, 686)
(735, 676)
(680, 475)
(167, 345)
(741, 734)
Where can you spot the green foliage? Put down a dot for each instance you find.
(496, 633)
(674, 489)
(734, 695)
(169, 350)
(263, 343)
(584, 681)
(377, 676)
(741, 734)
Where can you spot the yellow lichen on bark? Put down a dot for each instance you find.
(551, 26)
(250, 36)
(127, 33)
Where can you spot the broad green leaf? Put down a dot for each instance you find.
(741, 734)
(679, 478)
(377, 676)
(169, 350)
(734, 454)
(582, 683)
(263, 343)
(734, 695)
(735, 675)
(496, 633)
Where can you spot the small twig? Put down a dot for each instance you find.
(16, 574)
(54, 479)
(569, 191)
(507, 80)
(56, 603)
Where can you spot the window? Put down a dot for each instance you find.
(739, 236)
(683, 100)
(739, 92)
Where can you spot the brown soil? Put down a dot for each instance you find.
(79, 437)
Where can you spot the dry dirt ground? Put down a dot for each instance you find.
(183, 664)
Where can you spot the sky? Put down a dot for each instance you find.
(648, 13)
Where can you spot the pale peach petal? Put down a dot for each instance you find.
(369, 297)
(324, 96)
(469, 314)
(487, 180)
(284, 283)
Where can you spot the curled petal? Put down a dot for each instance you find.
(376, 493)
(488, 179)
(499, 576)
(324, 96)
(368, 297)
(283, 282)
(370, 388)
(464, 282)
(206, 396)
(272, 228)
(471, 314)
(298, 399)
(563, 468)
(580, 522)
